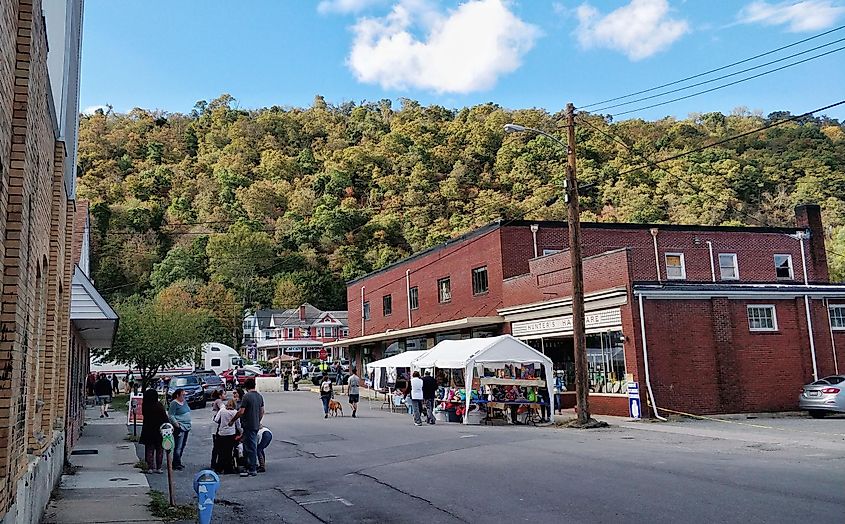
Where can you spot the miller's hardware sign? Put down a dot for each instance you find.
(563, 324)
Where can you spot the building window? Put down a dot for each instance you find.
(762, 318)
(675, 266)
(387, 305)
(547, 252)
(837, 316)
(479, 280)
(783, 266)
(414, 297)
(344, 332)
(728, 267)
(366, 311)
(291, 333)
(305, 332)
(318, 332)
(444, 290)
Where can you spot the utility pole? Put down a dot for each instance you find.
(582, 384)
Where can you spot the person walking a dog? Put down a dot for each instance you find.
(326, 393)
(353, 383)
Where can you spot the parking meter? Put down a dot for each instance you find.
(205, 485)
(167, 436)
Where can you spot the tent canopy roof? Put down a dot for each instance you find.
(401, 360)
(456, 354)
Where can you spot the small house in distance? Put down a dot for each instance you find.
(300, 332)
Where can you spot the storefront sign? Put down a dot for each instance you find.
(563, 324)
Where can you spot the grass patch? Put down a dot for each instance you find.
(161, 508)
(142, 465)
(120, 403)
(130, 438)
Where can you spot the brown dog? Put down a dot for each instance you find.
(334, 407)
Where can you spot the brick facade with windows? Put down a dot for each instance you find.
(703, 355)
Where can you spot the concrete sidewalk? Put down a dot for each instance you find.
(106, 487)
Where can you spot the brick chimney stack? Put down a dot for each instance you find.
(809, 217)
(302, 312)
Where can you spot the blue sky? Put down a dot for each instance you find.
(166, 54)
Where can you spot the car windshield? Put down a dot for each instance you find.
(213, 380)
(186, 381)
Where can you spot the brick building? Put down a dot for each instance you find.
(40, 403)
(731, 318)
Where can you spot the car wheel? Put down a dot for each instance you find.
(817, 413)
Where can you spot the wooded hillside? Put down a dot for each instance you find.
(276, 206)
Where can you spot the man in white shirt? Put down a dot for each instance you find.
(417, 397)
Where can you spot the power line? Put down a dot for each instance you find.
(729, 83)
(735, 137)
(658, 95)
(722, 68)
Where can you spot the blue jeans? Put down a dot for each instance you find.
(262, 444)
(179, 442)
(326, 404)
(250, 442)
(416, 408)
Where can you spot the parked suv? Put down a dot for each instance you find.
(192, 385)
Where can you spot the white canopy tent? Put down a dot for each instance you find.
(478, 353)
(400, 360)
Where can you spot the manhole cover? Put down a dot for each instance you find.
(84, 452)
(118, 479)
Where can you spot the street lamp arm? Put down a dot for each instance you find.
(515, 128)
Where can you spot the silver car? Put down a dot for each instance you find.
(824, 396)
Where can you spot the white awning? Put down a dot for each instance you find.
(419, 330)
(92, 316)
(401, 360)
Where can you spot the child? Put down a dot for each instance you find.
(265, 436)
(225, 441)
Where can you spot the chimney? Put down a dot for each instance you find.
(809, 217)
(302, 312)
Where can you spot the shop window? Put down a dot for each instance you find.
(606, 363)
(783, 267)
(414, 297)
(675, 266)
(728, 267)
(387, 304)
(444, 290)
(762, 318)
(366, 311)
(837, 316)
(479, 280)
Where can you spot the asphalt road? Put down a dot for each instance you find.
(381, 468)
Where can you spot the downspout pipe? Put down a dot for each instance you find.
(801, 236)
(712, 265)
(534, 229)
(645, 360)
(832, 338)
(408, 294)
(363, 316)
(653, 232)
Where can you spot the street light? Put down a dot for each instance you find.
(574, 224)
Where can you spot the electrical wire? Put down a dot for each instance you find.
(716, 70)
(658, 95)
(752, 77)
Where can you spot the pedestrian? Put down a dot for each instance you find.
(429, 386)
(216, 404)
(154, 416)
(224, 441)
(180, 417)
(250, 415)
(89, 383)
(103, 392)
(296, 379)
(238, 395)
(326, 393)
(417, 397)
(287, 380)
(353, 383)
(265, 436)
(126, 385)
(115, 384)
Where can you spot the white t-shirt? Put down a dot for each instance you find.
(416, 388)
(223, 417)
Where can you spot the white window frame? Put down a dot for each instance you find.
(841, 316)
(290, 332)
(414, 297)
(735, 266)
(770, 307)
(547, 252)
(444, 297)
(791, 267)
(683, 266)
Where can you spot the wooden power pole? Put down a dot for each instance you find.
(582, 383)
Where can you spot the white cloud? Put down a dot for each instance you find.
(639, 29)
(90, 110)
(345, 6)
(463, 50)
(809, 15)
